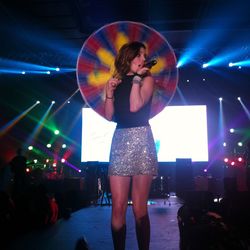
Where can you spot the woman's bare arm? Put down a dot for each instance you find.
(109, 97)
(141, 93)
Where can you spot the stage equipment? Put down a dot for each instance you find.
(95, 64)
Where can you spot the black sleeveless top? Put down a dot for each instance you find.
(122, 115)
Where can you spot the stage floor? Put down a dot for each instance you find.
(94, 224)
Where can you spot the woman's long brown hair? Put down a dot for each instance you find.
(125, 55)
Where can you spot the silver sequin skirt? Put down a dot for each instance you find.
(133, 152)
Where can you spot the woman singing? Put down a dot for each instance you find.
(133, 154)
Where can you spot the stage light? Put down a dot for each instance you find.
(23, 72)
(204, 65)
(231, 130)
(239, 67)
(27, 170)
(54, 164)
(30, 147)
(179, 64)
(225, 159)
(53, 102)
(240, 144)
(187, 80)
(68, 101)
(48, 145)
(47, 160)
(239, 99)
(48, 72)
(63, 160)
(203, 79)
(205, 170)
(57, 132)
(220, 99)
(35, 161)
(64, 146)
(37, 102)
(240, 159)
(232, 163)
(57, 69)
(230, 64)
(224, 144)
(79, 170)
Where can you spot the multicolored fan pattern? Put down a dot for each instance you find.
(95, 63)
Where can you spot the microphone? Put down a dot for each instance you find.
(150, 64)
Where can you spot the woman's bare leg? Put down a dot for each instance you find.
(140, 191)
(119, 186)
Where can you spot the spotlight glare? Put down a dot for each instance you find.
(54, 164)
(68, 101)
(179, 64)
(64, 146)
(187, 80)
(220, 99)
(35, 161)
(240, 144)
(57, 69)
(53, 102)
(231, 130)
(240, 159)
(238, 98)
(57, 132)
(63, 160)
(30, 147)
(225, 159)
(224, 144)
(79, 170)
(37, 102)
(23, 72)
(232, 163)
(230, 64)
(204, 65)
(48, 145)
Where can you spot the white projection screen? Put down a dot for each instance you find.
(179, 132)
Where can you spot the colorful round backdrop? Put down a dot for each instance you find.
(95, 64)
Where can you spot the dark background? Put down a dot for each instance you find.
(52, 32)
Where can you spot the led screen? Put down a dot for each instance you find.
(179, 132)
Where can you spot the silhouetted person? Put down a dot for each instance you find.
(5, 176)
(81, 244)
(18, 167)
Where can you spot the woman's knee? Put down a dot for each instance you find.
(140, 211)
(119, 209)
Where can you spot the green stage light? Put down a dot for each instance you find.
(57, 132)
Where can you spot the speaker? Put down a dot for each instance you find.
(74, 183)
(184, 177)
(159, 187)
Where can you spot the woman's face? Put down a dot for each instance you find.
(138, 62)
